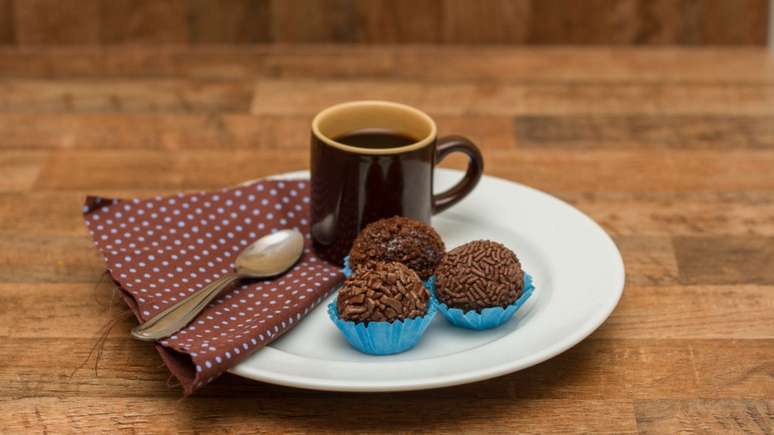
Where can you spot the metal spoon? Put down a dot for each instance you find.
(268, 256)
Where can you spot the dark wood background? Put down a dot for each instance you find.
(629, 22)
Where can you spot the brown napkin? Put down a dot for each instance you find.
(161, 250)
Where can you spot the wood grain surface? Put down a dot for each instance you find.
(540, 22)
(670, 150)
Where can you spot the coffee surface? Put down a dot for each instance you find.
(375, 138)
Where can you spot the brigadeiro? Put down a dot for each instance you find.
(480, 285)
(407, 241)
(383, 308)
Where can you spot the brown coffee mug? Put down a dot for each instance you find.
(372, 160)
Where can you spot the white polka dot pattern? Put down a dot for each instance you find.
(161, 250)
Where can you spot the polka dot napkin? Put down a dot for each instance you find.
(161, 250)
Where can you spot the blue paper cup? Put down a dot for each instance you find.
(488, 318)
(347, 269)
(383, 338)
(428, 283)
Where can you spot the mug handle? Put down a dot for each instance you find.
(454, 194)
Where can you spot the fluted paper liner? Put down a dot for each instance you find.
(383, 338)
(488, 318)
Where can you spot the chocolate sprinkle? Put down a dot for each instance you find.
(478, 275)
(400, 239)
(382, 292)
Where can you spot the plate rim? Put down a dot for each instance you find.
(571, 340)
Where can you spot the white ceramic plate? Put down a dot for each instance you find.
(579, 278)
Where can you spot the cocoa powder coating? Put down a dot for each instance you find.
(382, 292)
(479, 275)
(407, 241)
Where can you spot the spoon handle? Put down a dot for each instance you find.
(182, 313)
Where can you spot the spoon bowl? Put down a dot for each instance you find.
(268, 256)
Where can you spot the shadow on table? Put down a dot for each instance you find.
(233, 399)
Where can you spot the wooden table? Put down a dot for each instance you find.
(671, 150)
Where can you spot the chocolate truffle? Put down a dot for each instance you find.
(382, 292)
(479, 275)
(400, 239)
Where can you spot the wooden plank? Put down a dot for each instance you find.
(19, 170)
(581, 64)
(725, 260)
(645, 131)
(374, 415)
(302, 96)
(7, 31)
(84, 170)
(143, 22)
(212, 131)
(77, 310)
(679, 214)
(500, 22)
(686, 22)
(634, 171)
(320, 21)
(498, 64)
(41, 213)
(692, 312)
(593, 370)
(228, 21)
(743, 22)
(705, 416)
(155, 95)
(397, 21)
(218, 62)
(600, 22)
(32, 258)
(55, 213)
(554, 171)
(162, 131)
(669, 22)
(648, 260)
(730, 372)
(588, 22)
(57, 22)
(645, 312)
(350, 61)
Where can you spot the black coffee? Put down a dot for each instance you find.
(375, 138)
